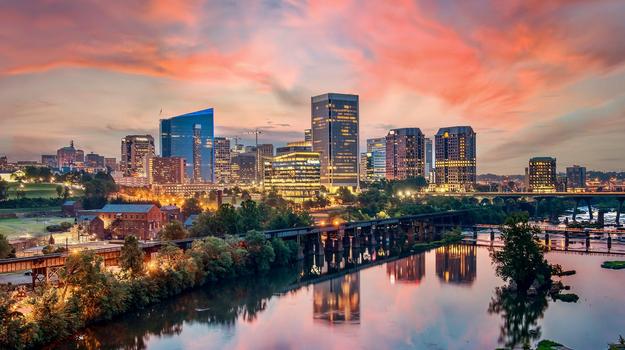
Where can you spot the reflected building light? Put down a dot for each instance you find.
(410, 270)
(337, 301)
(456, 264)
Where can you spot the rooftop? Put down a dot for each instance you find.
(126, 208)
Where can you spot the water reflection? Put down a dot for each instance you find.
(407, 270)
(338, 300)
(456, 264)
(520, 313)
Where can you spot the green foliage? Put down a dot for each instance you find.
(547, 345)
(285, 253)
(97, 189)
(345, 196)
(191, 206)
(5, 248)
(260, 251)
(131, 257)
(615, 265)
(14, 331)
(4, 190)
(62, 227)
(172, 231)
(522, 258)
(566, 297)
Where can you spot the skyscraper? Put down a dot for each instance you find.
(222, 160)
(405, 154)
(294, 176)
(191, 136)
(541, 174)
(429, 159)
(376, 147)
(264, 153)
(576, 178)
(166, 170)
(455, 163)
(334, 119)
(136, 151)
(308, 137)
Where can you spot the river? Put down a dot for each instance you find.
(442, 299)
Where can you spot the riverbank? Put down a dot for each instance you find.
(91, 294)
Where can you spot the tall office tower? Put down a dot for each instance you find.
(197, 153)
(308, 137)
(245, 165)
(166, 170)
(334, 119)
(366, 167)
(110, 163)
(222, 160)
(455, 161)
(80, 156)
(48, 160)
(294, 176)
(136, 151)
(541, 174)
(405, 154)
(429, 164)
(576, 178)
(191, 137)
(377, 148)
(66, 156)
(264, 153)
(94, 160)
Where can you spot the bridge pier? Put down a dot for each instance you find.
(547, 240)
(475, 232)
(609, 241)
(566, 240)
(575, 209)
(492, 234)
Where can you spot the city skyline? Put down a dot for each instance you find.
(530, 79)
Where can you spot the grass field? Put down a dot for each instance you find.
(35, 227)
(43, 190)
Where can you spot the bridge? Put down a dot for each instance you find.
(536, 197)
(311, 239)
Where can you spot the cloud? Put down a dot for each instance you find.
(507, 68)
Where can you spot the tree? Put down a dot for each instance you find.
(250, 216)
(4, 190)
(345, 196)
(172, 231)
(12, 324)
(191, 206)
(6, 250)
(131, 256)
(283, 253)
(59, 191)
(228, 219)
(522, 259)
(66, 192)
(261, 254)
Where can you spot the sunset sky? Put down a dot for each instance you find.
(532, 77)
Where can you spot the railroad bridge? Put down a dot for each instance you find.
(311, 239)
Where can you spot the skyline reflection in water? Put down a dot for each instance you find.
(338, 300)
(456, 264)
(366, 309)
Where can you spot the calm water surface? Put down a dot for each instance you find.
(442, 299)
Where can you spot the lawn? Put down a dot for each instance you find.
(35, 227)
(39, 190)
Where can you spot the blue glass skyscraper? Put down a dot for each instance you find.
(191, 136)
